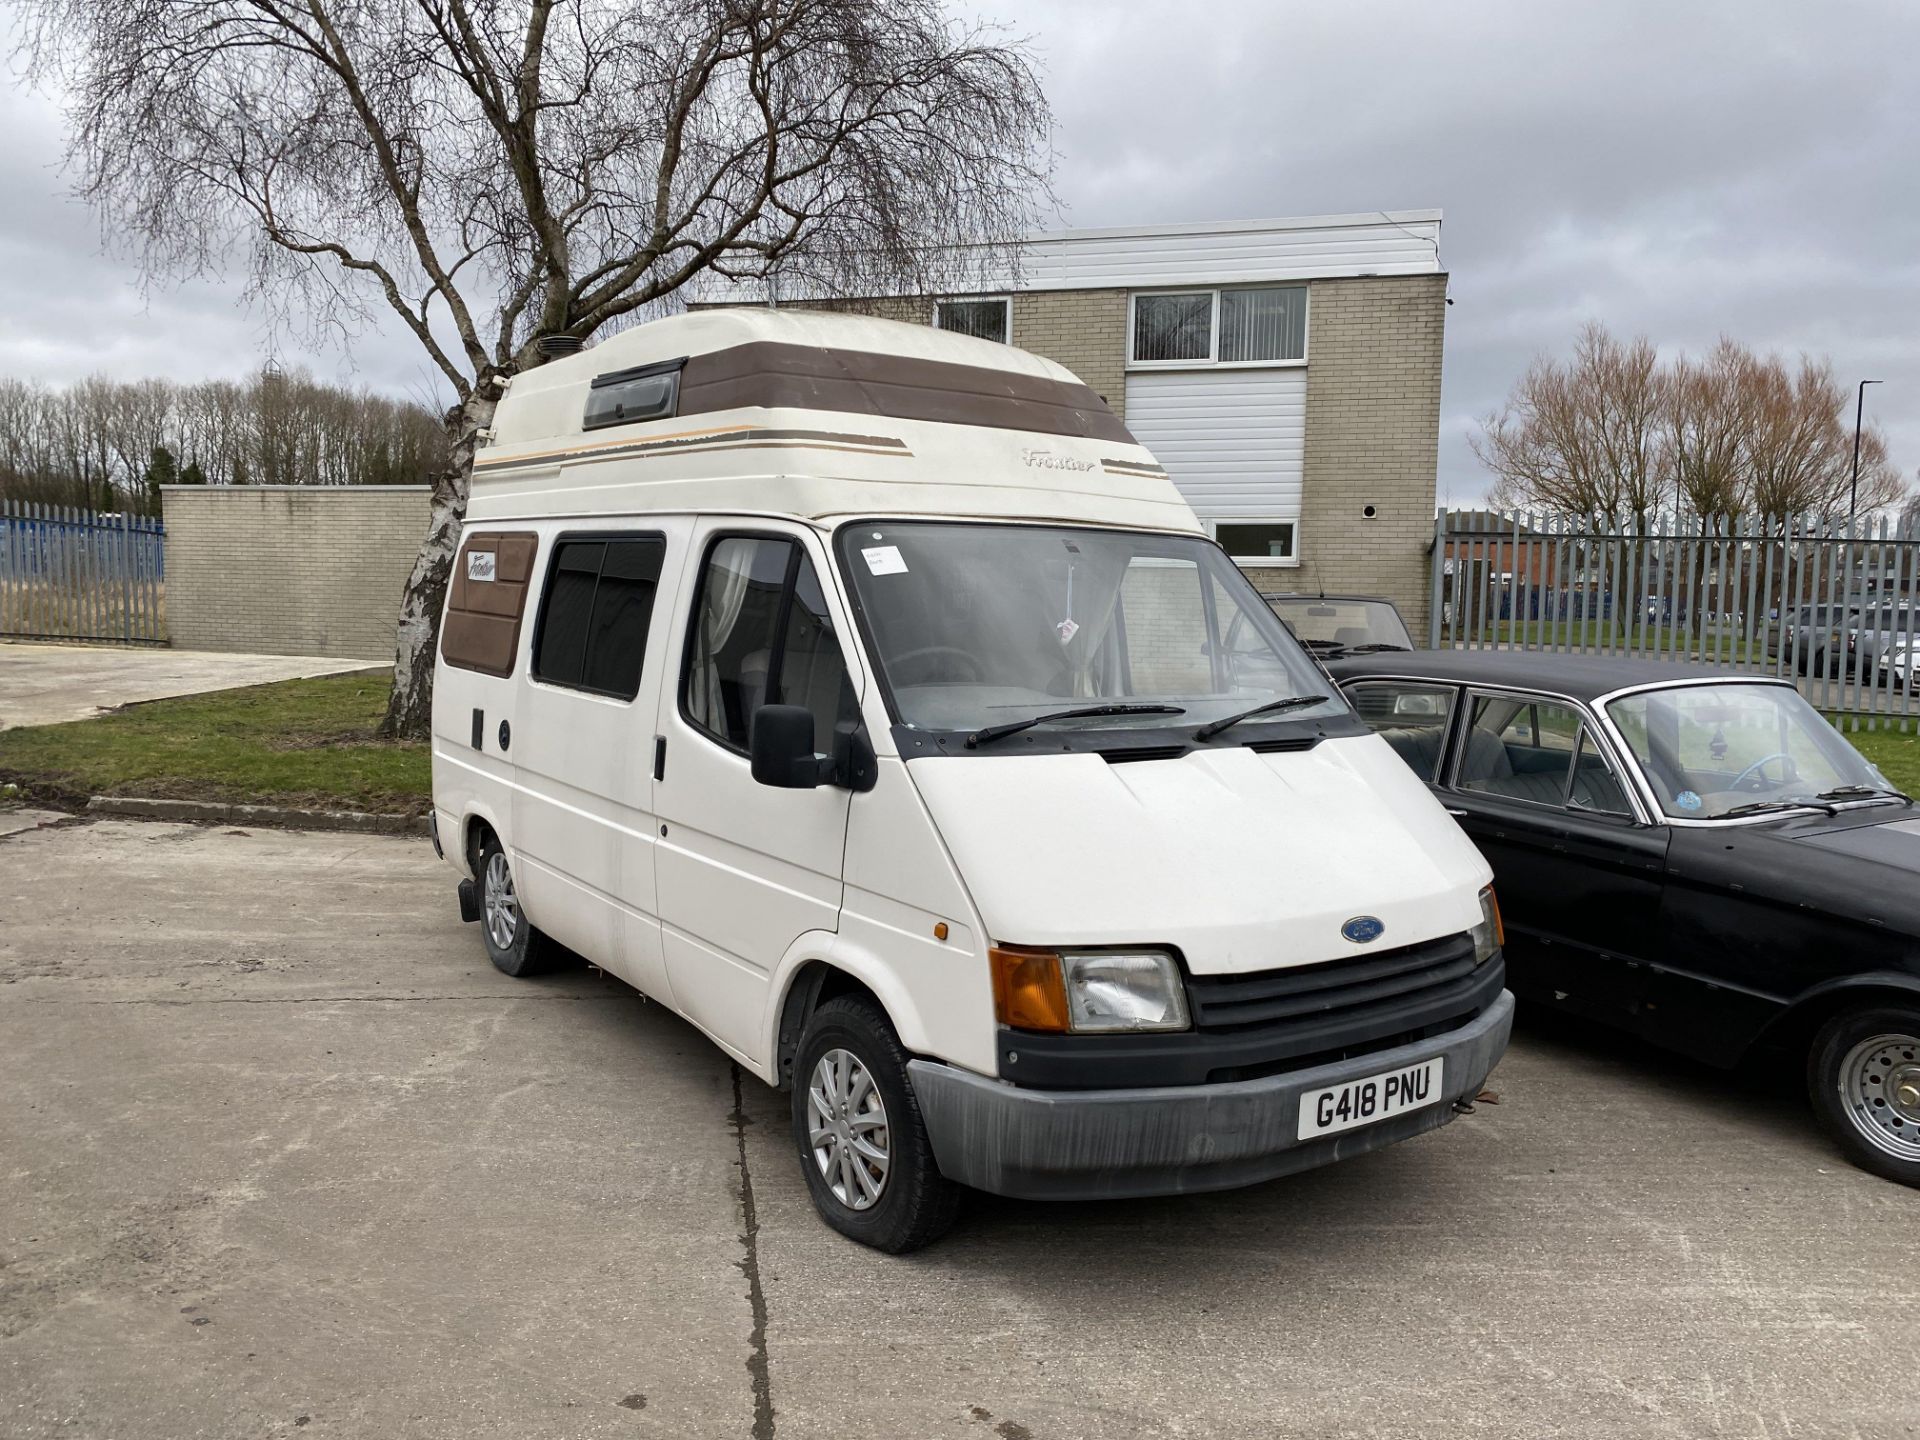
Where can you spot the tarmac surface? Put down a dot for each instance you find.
(280, 1153)
(47, 684)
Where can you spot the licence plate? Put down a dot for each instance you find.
(1361, 1102)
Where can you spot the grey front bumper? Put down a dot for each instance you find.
(1093, 1144)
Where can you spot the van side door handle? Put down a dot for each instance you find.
(659, 758)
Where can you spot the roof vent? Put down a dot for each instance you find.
(554, 346)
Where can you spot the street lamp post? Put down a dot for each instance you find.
(1859, 408)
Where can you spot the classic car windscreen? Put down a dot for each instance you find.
(982, 624)
(1342, 626)
(1711, 749)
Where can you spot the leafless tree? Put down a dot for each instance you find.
(496, 171)
(1708, 415)
(91, 444)
(1613, 432)
(1587, 437)
(1799, 447)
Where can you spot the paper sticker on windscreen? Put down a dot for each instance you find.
(885, 560)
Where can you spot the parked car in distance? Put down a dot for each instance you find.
(1690, 854)
(1877, 632)
(1335, 625)
(1814, 637)
(1900, 662)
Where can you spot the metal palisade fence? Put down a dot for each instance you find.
(69, 574)
(1833, 603)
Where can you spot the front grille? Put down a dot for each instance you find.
(1353, 987)
(1249, 1026)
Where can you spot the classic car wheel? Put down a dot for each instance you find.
(1863, 1075)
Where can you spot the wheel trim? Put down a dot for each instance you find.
(847, 1130)
(1879, 1083)
(501, 911)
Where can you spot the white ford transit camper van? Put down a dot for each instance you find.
(865, 694)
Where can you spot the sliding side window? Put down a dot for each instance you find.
(593, 626)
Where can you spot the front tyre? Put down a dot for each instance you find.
(863, 1147)
(514, 946)
(1863, 1075)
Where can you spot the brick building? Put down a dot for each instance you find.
(1286, 372)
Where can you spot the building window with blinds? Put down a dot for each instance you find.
(989, 319)
(1264, 325)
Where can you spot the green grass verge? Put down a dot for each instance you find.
(1897, 755)
(308, 743)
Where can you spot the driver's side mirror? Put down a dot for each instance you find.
(780, 745)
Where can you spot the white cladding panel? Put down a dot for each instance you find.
(1382, 243)
(1233, 440)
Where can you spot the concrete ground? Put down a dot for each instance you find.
(45, 684)
(281, 1153)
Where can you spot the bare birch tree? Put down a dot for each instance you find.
(493, 172)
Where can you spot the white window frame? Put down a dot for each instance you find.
(1290, 561)
(1006, 305)
(1213, 360)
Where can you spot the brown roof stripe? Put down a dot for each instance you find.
(859, 382)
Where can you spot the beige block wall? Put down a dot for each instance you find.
(1373, 437)
(1085, 330)
(290, 570)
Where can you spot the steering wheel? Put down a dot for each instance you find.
(1740, 780)
(976, 673)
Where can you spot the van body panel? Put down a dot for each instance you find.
(742, 868)
(1240, 860)
(900, 884)
(471, 782)
(583, 824)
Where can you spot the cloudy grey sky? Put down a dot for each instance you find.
(1678, 168)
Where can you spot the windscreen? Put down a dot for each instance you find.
(1709, 750)
(978, 625)
(1344, 626)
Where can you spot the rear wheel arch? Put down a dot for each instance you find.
(474, 832)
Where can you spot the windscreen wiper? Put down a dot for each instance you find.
(1014, 727)
(1372, 649)
(1765, 807)
(1272, 707)
(1862, 792)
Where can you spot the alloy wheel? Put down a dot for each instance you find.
(502, 909)
(847, 1129)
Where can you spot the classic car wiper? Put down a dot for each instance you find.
(1272, 707)
(1763, 807)
(1014, 727)
(1372, 649)
(1862, 792)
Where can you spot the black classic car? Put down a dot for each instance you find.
(1691, 854)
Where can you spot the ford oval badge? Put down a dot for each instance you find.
(1363, 929)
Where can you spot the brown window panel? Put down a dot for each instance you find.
(482, 629)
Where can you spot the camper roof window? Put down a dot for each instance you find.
(651, 392)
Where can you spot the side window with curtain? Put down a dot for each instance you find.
(597, 612)
(763, 635)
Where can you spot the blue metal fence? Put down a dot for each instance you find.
(70, 574)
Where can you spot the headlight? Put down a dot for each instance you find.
(1489, 935)
(1089, 992)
